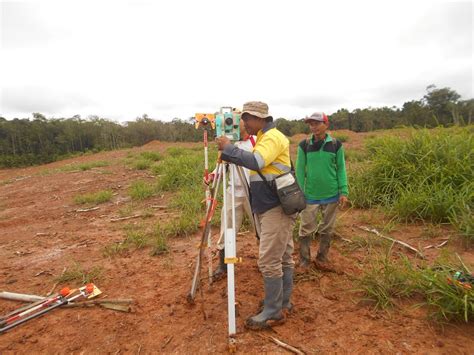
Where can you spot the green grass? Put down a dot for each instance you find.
(152, 156)
(142, 164)
(141, 190)
(93, 198)
(85, 166)
(355, 155)
(77, 273)
(143, 161)
(177, 151)
(388, 280)
(341, 137)
(428, 176)
(137, 237)
(160, 239)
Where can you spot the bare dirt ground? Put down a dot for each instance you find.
(41, 233)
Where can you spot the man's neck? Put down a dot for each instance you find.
(319, 138)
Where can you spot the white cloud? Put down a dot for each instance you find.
(170, 59)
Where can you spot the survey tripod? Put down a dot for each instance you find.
(223, 171)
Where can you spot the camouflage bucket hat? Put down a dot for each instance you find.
(256, 108)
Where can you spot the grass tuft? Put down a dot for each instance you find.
(93, 198)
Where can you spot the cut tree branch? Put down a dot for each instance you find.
(406, 245)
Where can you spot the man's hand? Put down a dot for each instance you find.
(222, 141)
(343, 201)
(210, 178)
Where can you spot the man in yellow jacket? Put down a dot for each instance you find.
(270, 156)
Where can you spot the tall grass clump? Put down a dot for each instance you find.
(93, 198)
(141, 190)
(429, 176)
(387, 280)
(181, 172)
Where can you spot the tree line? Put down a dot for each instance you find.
(40, 140)
(438, 107)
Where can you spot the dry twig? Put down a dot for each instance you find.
(406, 245)
(283, 345)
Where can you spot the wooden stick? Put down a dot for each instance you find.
(124, 218)
(54, 286)
(377, 233)
(283, 345)
(87, 209)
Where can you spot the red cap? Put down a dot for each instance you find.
(317, 116)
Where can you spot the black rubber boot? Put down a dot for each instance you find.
(221, 270)
(324, 243)
(305, 251)
(272, 307)
(287, 291)
(287, 288)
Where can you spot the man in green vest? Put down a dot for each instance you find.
(321, 174)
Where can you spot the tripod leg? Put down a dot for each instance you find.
(206, 229)
(253, 217)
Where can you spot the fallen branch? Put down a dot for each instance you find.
(125, 218)
(377, 233)
(166, 342)
(158, 206)
(442, 244)
(56, 284)
(283, 345)
(87, 209)
(41, 234)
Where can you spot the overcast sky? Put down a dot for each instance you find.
(119, 59)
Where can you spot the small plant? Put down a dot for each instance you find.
(80, 274)
(125, 211)
(160, 240)
(84, 166)
(152, 156)
(115, 248)
(142, 164)
(141, 190)
(94, 198)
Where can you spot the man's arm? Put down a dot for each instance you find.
(249, 160)
(341, 172)
(301, 167)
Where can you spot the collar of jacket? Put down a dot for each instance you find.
(268, 126)
(327, 139)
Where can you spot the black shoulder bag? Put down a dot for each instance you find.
(291, 197)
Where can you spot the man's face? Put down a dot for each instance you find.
(252, 123)
(318, 128)
(243, 131)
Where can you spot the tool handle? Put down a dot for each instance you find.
(37, 314)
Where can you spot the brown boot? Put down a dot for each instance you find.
(305, 252)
